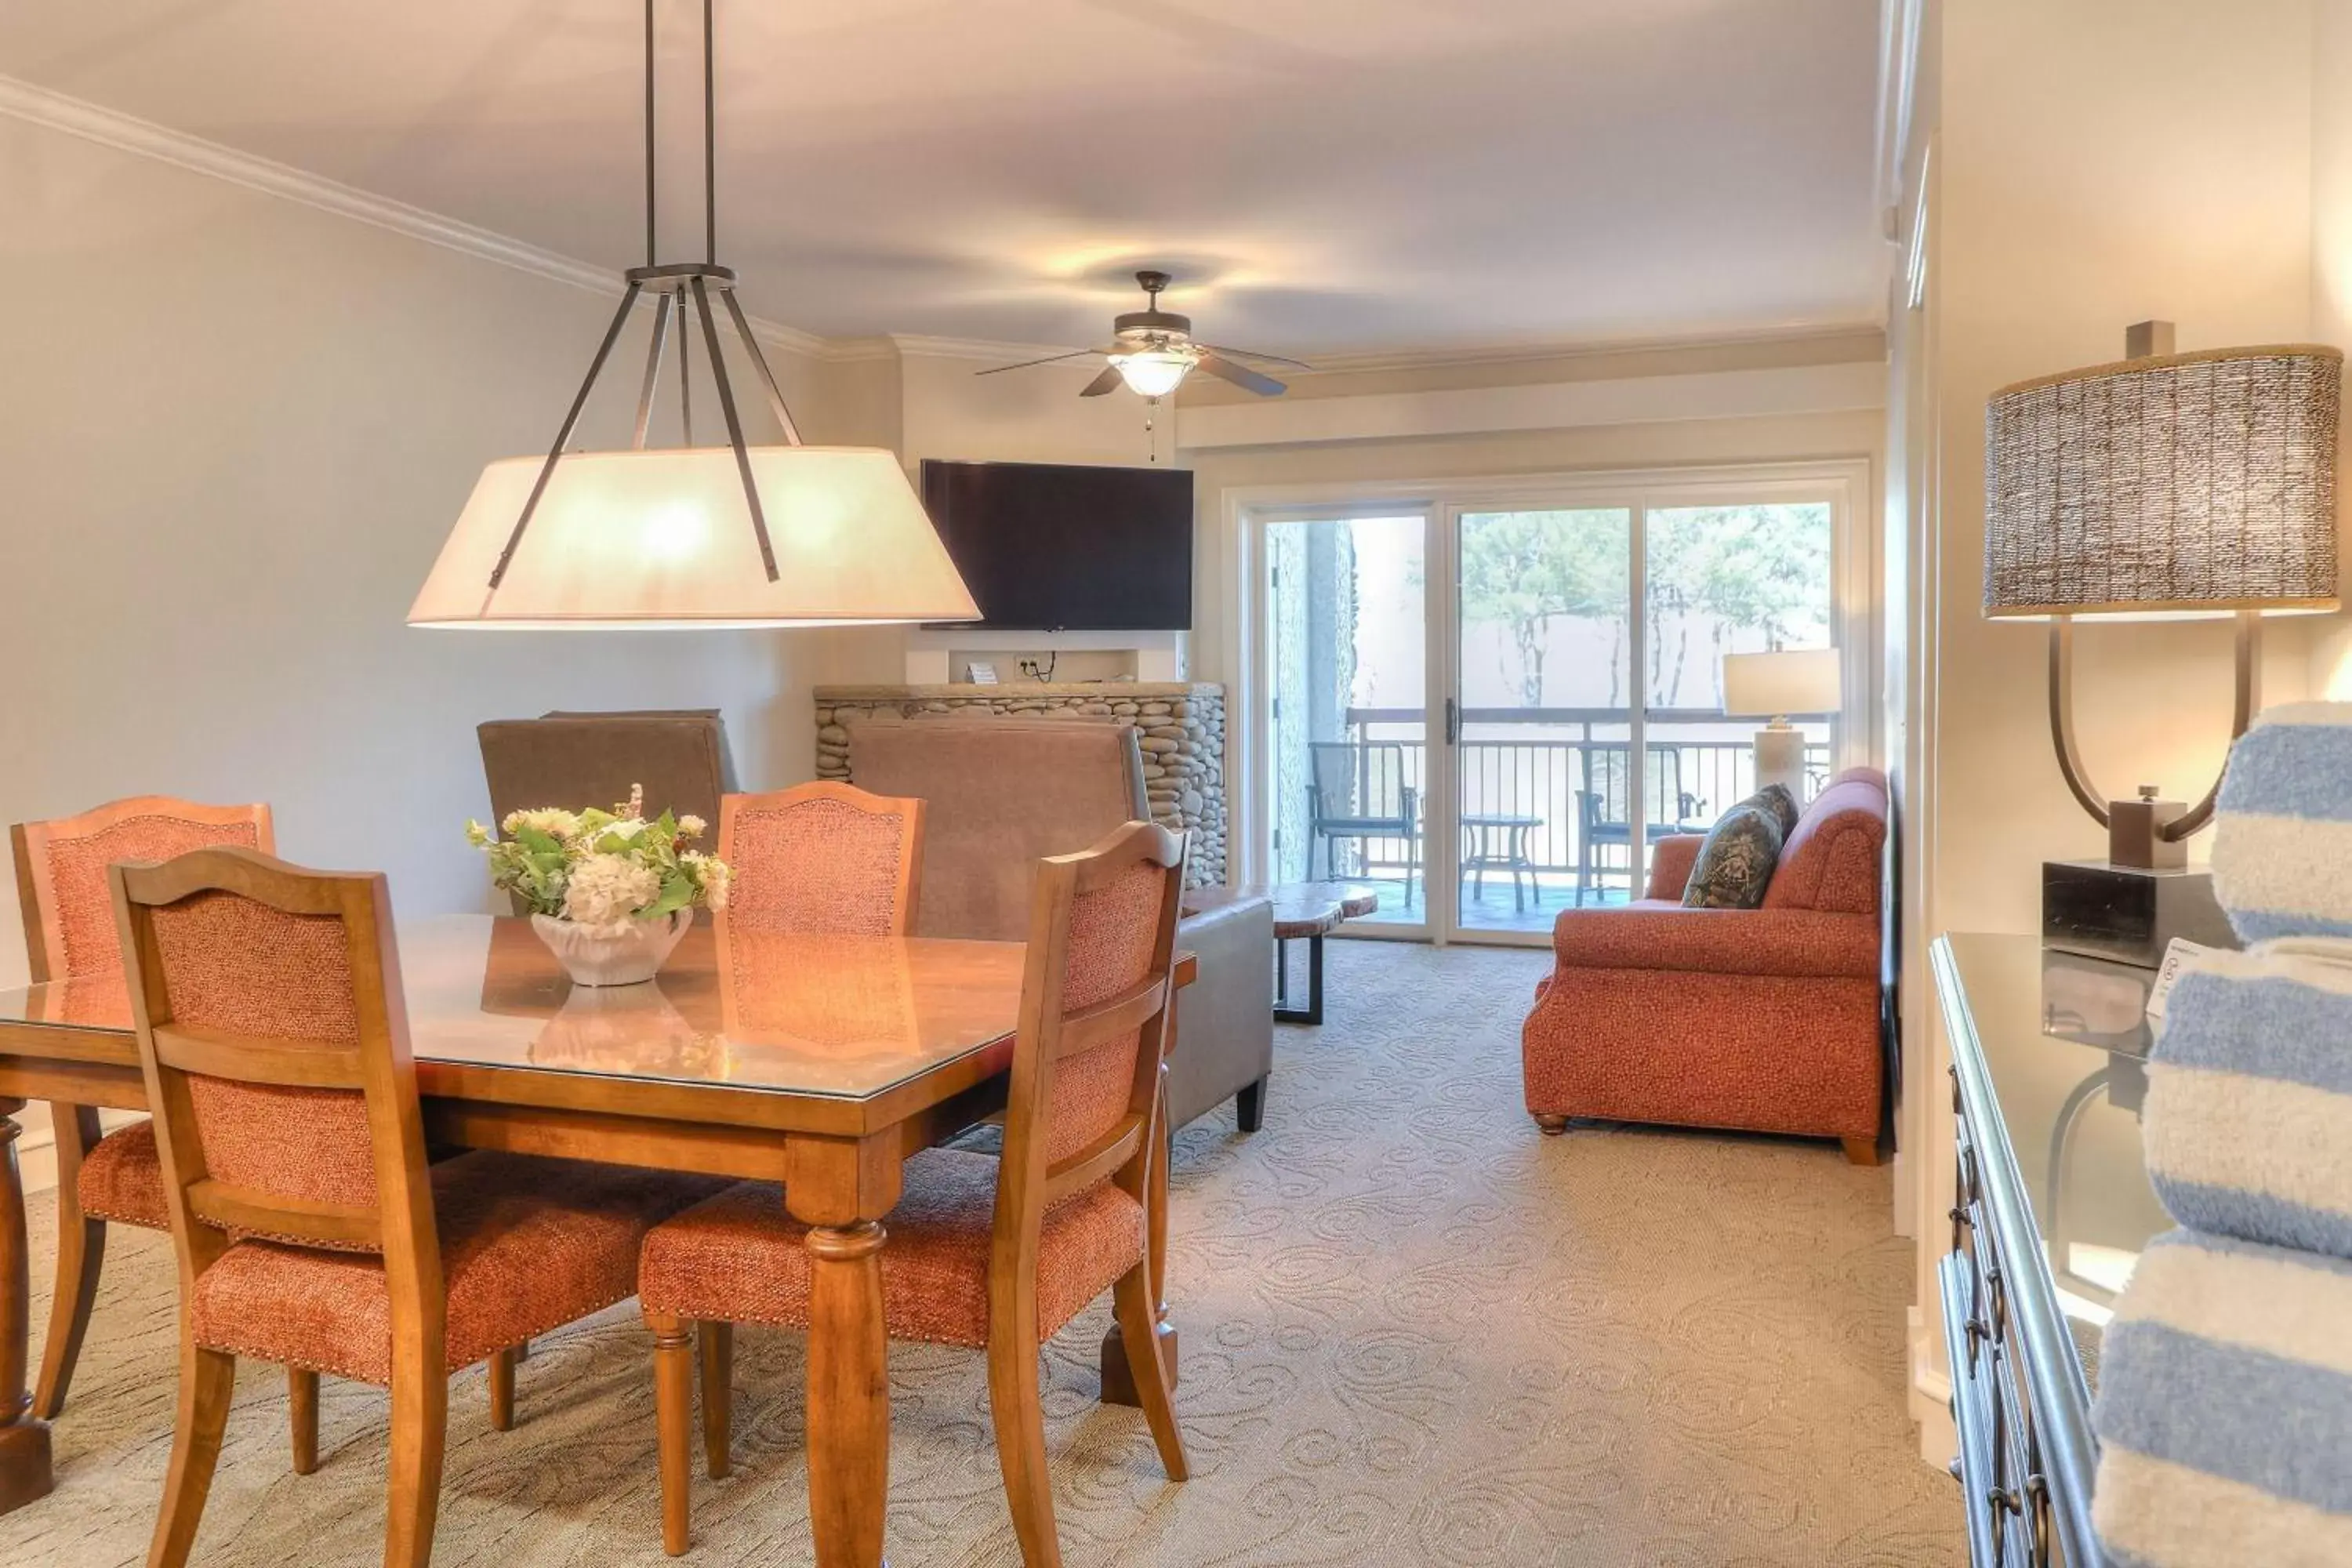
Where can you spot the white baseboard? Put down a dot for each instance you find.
(1931, 1398)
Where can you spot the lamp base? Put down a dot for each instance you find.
(2129, 914)
(1780, 759)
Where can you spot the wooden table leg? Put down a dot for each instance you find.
(840, 1189)
(24, 1472)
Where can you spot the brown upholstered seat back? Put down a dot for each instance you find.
(999, 795)
(575, 760)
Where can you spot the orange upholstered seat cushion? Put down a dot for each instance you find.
(123, 1179)
(526, 1245)
(739, 1258)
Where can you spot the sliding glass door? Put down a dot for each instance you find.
(1546, 664)
(1348, 712)
(1492, 702)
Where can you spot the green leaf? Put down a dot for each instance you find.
(678, 892)
(537, 840)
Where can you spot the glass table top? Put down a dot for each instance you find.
(2064, 1042)
(834, 1015)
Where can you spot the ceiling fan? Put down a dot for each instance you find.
(1153, 351)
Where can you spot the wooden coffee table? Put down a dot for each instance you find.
(1303, 912)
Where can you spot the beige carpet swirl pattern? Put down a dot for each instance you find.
(1415, 1333)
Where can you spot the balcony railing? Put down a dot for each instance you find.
(1564, 792)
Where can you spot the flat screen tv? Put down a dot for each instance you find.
(1061, 547)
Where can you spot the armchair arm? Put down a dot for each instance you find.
(1671, 859)
(1787, 943)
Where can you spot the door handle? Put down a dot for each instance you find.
(1452, 723)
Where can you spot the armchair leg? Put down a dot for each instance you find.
(1551, 1126)
(1860, 1150)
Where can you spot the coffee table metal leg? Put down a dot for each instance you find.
(1284, 1013)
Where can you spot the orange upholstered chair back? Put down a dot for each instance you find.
(823, 858)
(1095, 1020)
(61, 870)
(267, 1006)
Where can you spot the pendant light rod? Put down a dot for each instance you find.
(688, 285)
(563, 433)
(653, 248)
(653, 371)
(735, 429)
(710, 150)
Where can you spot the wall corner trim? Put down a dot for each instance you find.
(125, 132)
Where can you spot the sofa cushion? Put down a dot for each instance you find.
(1735, 864)
(1776, 799)
(1831, 861)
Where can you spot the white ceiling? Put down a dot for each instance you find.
(1325, 175)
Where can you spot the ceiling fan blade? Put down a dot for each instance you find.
(1253, 354)
(1049, 359)
(1241, 376)
(1106, 381)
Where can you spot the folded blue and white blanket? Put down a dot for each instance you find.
(2248, 1123)
(2283, 834)
(2225, 1410)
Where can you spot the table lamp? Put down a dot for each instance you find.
(2165, 486)
(1774, 686)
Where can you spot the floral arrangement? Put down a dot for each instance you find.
(603, 870)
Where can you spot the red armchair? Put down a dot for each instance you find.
(1764, 1019)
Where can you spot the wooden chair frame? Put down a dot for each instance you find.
(379, 1067)
(908, 885)
(81, 1238)
(1133, 1154)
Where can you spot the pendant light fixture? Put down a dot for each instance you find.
(702, 537)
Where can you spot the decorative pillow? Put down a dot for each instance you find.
(1777, 799)
(1735, 865)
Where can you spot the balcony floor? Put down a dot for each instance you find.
(1542, 896)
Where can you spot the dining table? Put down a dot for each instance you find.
(820, 1061)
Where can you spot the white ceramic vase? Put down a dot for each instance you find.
(630, 958)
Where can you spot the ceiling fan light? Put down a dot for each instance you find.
(1155, 373)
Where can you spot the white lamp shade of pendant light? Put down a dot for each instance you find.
(1775, 685)
(1154, 372)
(664, 539)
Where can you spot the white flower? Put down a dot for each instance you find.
(605, 890)
(548, 820)
(711, 874)
(691, 826)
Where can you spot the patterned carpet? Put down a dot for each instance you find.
(1416, 1333)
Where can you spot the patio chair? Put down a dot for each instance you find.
(1601, 829)
(1350, 785)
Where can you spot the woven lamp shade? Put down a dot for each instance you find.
(2179, 484)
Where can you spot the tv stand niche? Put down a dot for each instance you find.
(1181, 726)
(939, 656)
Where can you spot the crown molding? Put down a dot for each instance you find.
(24, 101)
(918, 346)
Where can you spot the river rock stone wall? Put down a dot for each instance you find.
(1181, 727)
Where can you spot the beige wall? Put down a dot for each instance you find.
(2092, 165)
(235, 431)
(2102, 162)
(2331, 285)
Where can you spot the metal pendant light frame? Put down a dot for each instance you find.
(678, 284)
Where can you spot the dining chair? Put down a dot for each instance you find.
(823, 858)
(114, 1177)
(990, 1254)
(309, 1227)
